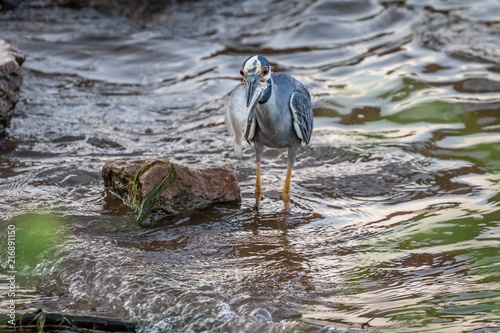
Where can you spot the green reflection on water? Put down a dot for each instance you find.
(476, 142)
(432, 112)
(455, 261)
(483, 155)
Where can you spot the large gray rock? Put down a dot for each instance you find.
(186, 188)
(10, 80)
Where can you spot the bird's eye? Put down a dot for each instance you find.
(241, 72)
(265, 71)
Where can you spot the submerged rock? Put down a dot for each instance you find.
(169, 188)
(10, 80)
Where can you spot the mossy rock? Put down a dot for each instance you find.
(164, 188)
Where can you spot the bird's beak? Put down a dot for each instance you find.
(251, 83)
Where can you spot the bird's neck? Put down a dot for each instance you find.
(267, 93)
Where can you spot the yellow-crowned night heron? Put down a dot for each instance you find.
(278, 111)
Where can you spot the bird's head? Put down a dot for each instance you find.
(256, 72)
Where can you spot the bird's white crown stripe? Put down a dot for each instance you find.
(253, 62)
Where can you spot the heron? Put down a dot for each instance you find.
(279, 116)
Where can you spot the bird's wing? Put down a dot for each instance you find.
(300, 106)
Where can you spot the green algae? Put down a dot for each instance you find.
(151, 201)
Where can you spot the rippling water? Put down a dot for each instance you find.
(395, 205)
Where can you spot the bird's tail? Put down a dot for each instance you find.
(238, 151)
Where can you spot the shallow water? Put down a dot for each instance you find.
(395, 205)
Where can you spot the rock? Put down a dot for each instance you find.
(10, 80)
(185, 188)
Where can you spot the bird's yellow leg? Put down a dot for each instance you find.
(258, 188)
(286, 190)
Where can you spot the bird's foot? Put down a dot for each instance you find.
(258, 197)
(285, 195)
(258, 188)
(286, 201)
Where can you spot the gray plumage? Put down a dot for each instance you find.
(285, 118)
(279, 114)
